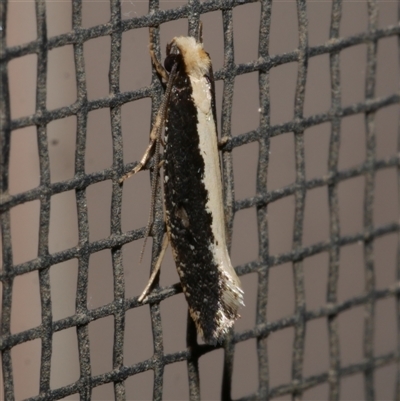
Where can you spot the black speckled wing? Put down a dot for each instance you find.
(194, 210)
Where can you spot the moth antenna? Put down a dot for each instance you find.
(200, 33)
(156, 268)
(154, 181)
(158, 129)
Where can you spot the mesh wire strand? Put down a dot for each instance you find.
(331, 310)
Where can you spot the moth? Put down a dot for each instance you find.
(194, 212)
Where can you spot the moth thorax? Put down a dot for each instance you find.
(196, 60)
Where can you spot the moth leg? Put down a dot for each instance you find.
(224, 140)
(155, 135)
(156, 267)
(140, 165)
(158, 66)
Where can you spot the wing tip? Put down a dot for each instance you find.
(230, 301)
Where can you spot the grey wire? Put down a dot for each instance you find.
(42, 117)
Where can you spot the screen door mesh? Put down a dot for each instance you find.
(192, 11)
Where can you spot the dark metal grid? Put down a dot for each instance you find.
(117, 239)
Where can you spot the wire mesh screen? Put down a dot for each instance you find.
(352, 269)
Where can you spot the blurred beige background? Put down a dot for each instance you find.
(135, 73)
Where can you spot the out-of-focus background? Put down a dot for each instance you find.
(136, 73)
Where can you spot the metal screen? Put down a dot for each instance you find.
(262, 135)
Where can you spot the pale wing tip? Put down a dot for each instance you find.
(225, 317)
(232, 300)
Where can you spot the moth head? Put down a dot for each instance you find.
(174, 56)
(189, 56)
